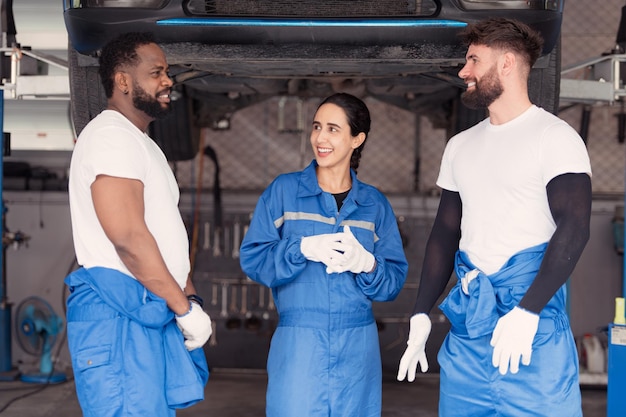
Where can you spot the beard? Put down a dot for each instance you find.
(485, 91)
(149, 105)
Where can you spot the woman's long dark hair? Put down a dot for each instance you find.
(358, 118)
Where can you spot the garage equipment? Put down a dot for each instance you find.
(37, 327)
(5, 306)
(603, 83)
(7, 371)
(616, 404)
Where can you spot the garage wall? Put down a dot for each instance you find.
(39, 267)
(398, 138)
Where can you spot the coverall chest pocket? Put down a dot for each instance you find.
(366, 237)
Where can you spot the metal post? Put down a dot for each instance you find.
(616, 369)
(6, 364)
(624, 255)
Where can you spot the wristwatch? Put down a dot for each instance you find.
(195, 298)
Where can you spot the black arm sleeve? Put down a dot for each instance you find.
(569, 196)
(441, 247)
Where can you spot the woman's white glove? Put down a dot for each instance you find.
(195, 326)
(322, 248)
(513, 339)
(355, 257)
(415, 352)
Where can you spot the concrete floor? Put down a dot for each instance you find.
(240, 393)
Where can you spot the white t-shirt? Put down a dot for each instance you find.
(501, 173)
(110, 144)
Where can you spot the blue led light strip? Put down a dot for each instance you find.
(309, 23)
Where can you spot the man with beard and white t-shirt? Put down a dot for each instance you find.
(512, 222)
(135, 324)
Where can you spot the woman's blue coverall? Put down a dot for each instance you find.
(324, 358)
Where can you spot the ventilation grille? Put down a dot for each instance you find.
(313, 8)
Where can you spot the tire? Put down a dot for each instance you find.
(543, 90)
(544, 84)
(86, 92)
(463, 117)
(176, 134)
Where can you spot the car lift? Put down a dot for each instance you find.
(15, 86)
(8, 32)
(602, 83)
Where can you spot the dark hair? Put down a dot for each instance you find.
(358, 118)
(505, 34)
(119, 52)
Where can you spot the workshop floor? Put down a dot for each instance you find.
(235, 393)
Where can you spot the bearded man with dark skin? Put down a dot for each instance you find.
(135, 324)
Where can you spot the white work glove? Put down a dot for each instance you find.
(322, 248)
(355, 257)
(196, 326)
(513, 339)
(467, 278)
(416, 348)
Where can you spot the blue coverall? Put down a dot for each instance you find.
(476, 388)
(128, 355)
(324, 358)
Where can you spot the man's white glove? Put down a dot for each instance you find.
(196, 326)
(322, 248)
(416, 348)
(355, 257)
(513, 339)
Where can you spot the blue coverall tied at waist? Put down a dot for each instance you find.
(124, 341)
(477, 385)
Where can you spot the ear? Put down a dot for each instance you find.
(508, 63)
(358, 140)
(122, 81)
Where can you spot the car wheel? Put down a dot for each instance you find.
(543, 90)
(464, 117)
(86, 92)
(176, 134)
(544, 83)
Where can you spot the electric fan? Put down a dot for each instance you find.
(37, 327)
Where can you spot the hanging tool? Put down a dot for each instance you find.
(226, 240)
(265, 314)
(207, 236)
(217, 249)
(214, 294)
(261, 296)
(233, 322)
(253, 322)
(236, 239)
(244, 300)
(213, 338)
(224, 312)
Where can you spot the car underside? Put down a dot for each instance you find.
(225, 56)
